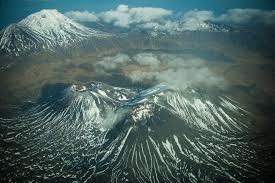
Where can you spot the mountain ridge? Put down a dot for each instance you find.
(124, 128)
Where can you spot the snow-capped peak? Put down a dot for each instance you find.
(47, 17)
(50, 20)
(46, 29)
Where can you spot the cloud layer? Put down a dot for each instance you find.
(82, 16)
(245, 16)
(123, 16)
(109, 63)
(147, 59)
(177, 70)
(159, 19)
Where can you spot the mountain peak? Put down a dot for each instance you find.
(47, 29)
(45, 13)
(48, 19)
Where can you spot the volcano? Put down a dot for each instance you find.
(158, 134)
(46, 30)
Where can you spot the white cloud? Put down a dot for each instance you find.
(82, 16)
(155, 19)
(123, 16)
(191, 20)
(109, 63)
(197, 20)
(241, 16)
(112, 118)
(148, 14)
(147, 59)
(237, 16)
(163, 26)
(198, 15)
(113, 62)
(194, 20)
(181, 77)
(139, 76)
(178, 71)
(192, 76)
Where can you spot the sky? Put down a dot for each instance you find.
(12, 11)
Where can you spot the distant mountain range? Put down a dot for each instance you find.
(50, 30)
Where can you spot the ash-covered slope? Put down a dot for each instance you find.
(100, 133)
(46, 30)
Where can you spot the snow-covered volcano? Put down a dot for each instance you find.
(101, 133)
(44, 30)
